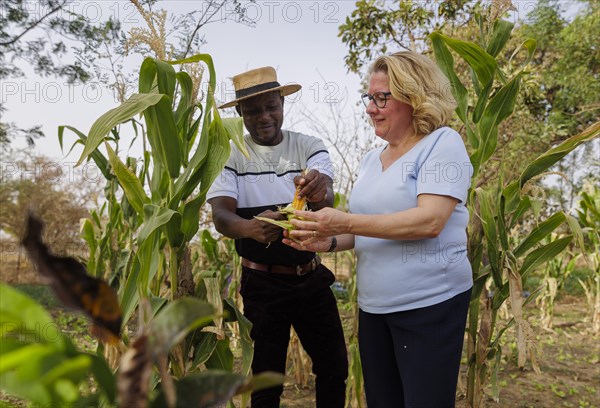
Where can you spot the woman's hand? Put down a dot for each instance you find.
(313, 244)
(314, 225)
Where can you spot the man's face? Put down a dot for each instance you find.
(263, 117)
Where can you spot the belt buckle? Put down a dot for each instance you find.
(313, 266)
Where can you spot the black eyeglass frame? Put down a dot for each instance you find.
(372, 97)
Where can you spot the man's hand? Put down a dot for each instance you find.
(316, 187)
(265, 232)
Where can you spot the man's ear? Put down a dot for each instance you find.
(282, 99)
(238, 110)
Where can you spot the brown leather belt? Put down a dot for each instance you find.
(298, 270)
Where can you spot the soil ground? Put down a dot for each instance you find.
(568, 356)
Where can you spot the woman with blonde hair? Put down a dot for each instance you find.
(407, 224)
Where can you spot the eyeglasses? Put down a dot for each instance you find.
(380, 99)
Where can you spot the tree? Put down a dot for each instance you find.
(53, 190)
(57, 39)
(377, 26)
(54, 39)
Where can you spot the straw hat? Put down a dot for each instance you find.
(256, 82)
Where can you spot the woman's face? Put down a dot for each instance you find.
(394, 122)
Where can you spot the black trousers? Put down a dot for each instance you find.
(274, 303)
(411, 359)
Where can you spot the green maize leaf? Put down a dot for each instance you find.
(136, 104)
(500, 223)
(163, 135)
(475, 258)
(204, 349)
(219, 153)
(88, 234)
(488, 224)
(264, 380)
(131, 185)
(530, 45)
(128, 292)
(479, 282)
(75, 369)
(176, 320)
(29, 357)
(482, 99)
(190, 220)
(543, 254)
(539, 233)
(216, 387)
(166, 78)
(149, 258)
(244, 326)
(155, 218)
(8, 345)
(157, 76)
(186, 104)
(193, 132)
(522, 208)
(445, 61)
(357, 372)
(577, 232)
(494, 376)
(159, 183)
(20, 315)
(96, 155)
(546, 160)
(32, 391)
(280, 223)
(209, 246)
(147, 83)
(498, 108)
(212, 82)
(173, 231)
(512, 194)
(192, 175)
(235, 131)
(145, 167)
(500, 36)
(104, 377)
(222, 357)
(482, 63)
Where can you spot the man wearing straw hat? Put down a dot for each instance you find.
(280, 286)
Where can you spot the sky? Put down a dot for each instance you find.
(298, 38)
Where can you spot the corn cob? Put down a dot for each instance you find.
(298, 203)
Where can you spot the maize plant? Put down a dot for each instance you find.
(501, 258)
(159, 209)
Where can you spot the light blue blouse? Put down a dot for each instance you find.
(396, 275)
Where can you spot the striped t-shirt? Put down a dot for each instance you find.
(266, 181)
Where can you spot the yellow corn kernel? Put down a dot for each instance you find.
(298, 203)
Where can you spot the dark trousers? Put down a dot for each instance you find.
(411, 359)
(274, 303)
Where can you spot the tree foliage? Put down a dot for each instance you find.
(58, 39)
(44, 32)
(567, 65)
(57, 193)
(376, 26)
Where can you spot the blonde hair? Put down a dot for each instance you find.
(417, 81)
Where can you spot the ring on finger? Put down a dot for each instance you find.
(314, 234)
